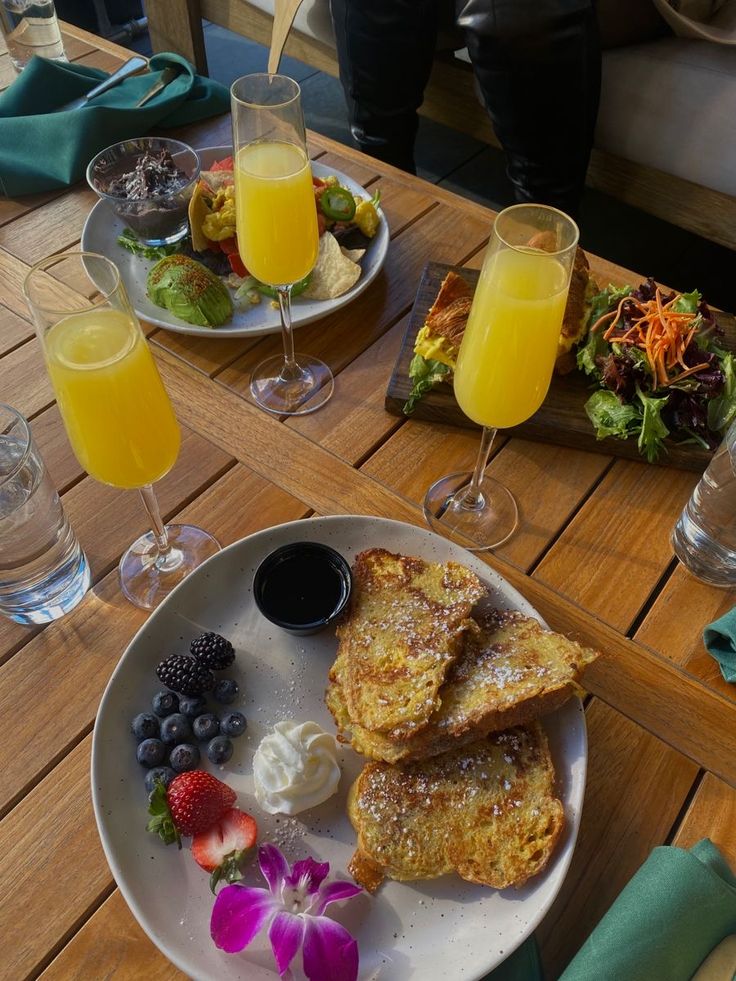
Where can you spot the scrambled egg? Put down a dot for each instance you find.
(434, 348)
(219, 224)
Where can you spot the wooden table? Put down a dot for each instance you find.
(592, 554)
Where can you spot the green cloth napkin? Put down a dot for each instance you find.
(669, 917)
(41, 149)
(719, 638)
(522, 965)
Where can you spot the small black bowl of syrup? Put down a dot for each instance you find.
(302, 587)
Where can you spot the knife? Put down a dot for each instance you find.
(167, 75)
(131, 67)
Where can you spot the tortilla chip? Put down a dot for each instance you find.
(198, 211)
(334, 273)
(355, 255)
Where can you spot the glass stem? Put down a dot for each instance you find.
(291, 368)
(473, 498)
(157, 526)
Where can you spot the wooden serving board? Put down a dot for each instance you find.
(561, 419)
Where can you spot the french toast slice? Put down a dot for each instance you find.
(487, 811)
(403, 631)
(511, 671)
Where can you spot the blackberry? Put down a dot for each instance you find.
(185, 675)
(233, 724)
(219, 750)
(206, 727)
(226, 691)
(213, 651)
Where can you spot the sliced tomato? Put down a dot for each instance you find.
(229, 245)
(213, 246)
(236, 264)
(226, 164)
(317, 181)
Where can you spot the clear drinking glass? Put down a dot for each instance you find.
(117, 414)
(278, 238)
(43, 570)
(505, 361)
(30, 28)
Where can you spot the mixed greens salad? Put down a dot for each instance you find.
(661, 367)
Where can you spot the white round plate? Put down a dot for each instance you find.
(102, 228)
(441, 928)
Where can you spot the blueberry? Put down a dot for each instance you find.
(145, 726)
(176, 729)
(164, 703)
(163, 773)
(226, 691)
(192, 705)
(151, 752)
(233, 724)
(219, 749)
(206, 727)
(184, 757)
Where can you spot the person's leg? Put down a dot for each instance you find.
(385, 50)
(538, 66)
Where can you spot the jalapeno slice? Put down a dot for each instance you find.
(337, 203)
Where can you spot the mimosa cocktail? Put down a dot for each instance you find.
(505, 361)
(515, 320)
(117, 414)
(274, 191)
(276, 223)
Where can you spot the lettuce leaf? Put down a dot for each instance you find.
(687, 302)
(425, 373)
(610, 417)
(653, 430)
(606, 300)
(593, 348)
(722, 409)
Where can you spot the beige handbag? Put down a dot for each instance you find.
(706, 20)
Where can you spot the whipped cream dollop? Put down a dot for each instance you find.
(295, 767)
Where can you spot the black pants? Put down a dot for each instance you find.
(537, 63)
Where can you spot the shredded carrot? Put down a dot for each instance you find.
(662, 333)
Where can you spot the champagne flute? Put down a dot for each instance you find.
(115, 409)
(505, 361)
(278, 239)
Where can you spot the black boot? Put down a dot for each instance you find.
(385, 50)
(538, 66)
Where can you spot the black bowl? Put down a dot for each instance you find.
(302, 587)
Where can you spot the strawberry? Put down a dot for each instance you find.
(194, 802)
(221, 850)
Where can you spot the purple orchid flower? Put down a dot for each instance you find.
(292, 909)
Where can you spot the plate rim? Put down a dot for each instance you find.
(512, 594)
(331, 306)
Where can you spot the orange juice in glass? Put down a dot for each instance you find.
(115, 409)
(505, 361)
(276, 222)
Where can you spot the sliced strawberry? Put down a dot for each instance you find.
(194, 802)
(236, 264)
(226, 164)
(222, 849)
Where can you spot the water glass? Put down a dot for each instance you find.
(30, 27)
(43, 570)
(704, 538)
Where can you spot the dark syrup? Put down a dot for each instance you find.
(301, 589)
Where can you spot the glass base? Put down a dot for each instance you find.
(51, 597)
(146, 580)
(486, 524)
(309, 389)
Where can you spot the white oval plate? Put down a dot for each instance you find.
(440, 929)
(102, 228)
